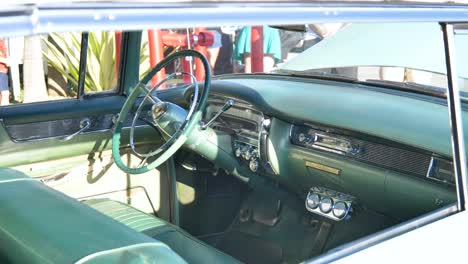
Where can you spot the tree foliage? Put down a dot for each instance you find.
(64, 55)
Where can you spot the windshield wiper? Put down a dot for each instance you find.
(317, 74)
(410, 86)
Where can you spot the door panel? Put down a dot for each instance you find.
(96, 176)
(32, 141)
(36, 132)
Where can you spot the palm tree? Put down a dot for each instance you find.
(33, 71)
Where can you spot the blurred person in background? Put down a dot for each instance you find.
(4, 63)
(271, 48)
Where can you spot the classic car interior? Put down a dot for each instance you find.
(237, 168)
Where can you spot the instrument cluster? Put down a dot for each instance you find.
(245, 125)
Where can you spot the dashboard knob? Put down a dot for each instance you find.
(254, 153)
(253, 165)
(340, 209)
(326, 205)
(301, 137)
(238, 152)
(248, 154)
(313, 200)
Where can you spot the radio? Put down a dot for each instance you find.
(311, 138)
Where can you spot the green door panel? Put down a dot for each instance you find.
(45, 149)
(389, 192)
(96, 176)
(83, 167)
(55, 110)
(20, 153)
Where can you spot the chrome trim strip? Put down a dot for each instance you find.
(429, 169)
(39, 19)
(61, 137)
(455, 115)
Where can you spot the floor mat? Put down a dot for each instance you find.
(289, 240)
(250, 249)
(296, 236)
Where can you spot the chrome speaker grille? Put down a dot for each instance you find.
(396, 157)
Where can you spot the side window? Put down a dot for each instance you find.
(101, 66)
(47, 67)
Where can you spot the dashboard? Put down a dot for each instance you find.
(374, 151)
(320, 147)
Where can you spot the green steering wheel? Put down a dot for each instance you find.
(173, 121)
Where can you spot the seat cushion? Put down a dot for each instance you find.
(41, 225)
(187, 246)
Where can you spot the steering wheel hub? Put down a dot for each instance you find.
(158, 110)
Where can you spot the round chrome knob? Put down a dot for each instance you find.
(340, 209)
(248, 154)
(238, 152)
(326, 205)
(313, 200)
(253, 165)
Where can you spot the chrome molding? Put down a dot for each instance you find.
(455, 115)
(61, 137)
(43, 18)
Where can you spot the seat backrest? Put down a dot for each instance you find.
(41, 225)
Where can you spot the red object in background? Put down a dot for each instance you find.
(118, 43)
(199, 70)
(158, 39)
(156, 50)
(186, 67)
(199, 38)
(256, 54)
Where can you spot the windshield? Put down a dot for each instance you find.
(404, 56)
(385, 53)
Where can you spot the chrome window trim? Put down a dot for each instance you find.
(43, 18)
(455, 117)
